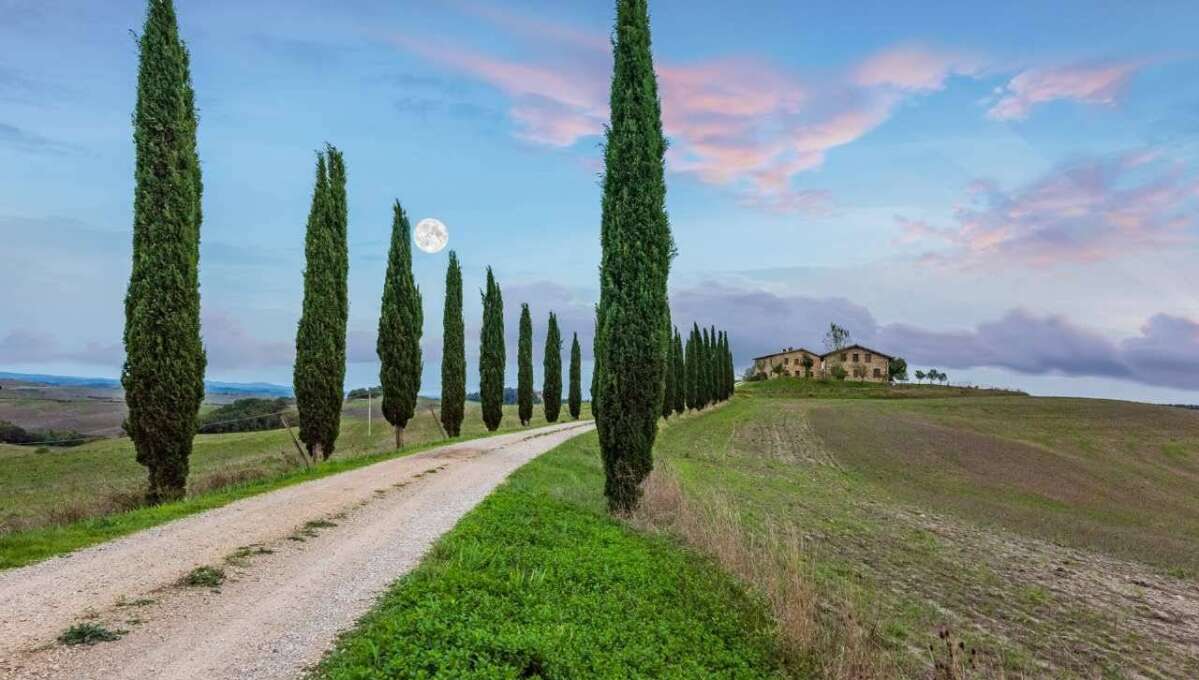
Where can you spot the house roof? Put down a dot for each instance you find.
(787, 351)
(857, 346)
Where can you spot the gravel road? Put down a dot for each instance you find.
(315, 558)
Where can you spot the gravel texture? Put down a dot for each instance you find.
(294, 587)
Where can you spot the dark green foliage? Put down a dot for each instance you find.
(491, 355)
(524, 367)
(453, 352)
(401, 321)
(246, 415)
(551, 389)
(730, 369)
(897, 369)
(692, 368)
(635, 264)
(537, 582)
(163, 375)
(10, 433)
(595, 367)
(680, 374)
(705, 368)
(574, 400)
(669, 388)
(321, 339)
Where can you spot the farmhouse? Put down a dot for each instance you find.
(859, 362)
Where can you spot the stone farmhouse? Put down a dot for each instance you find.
(860, 363)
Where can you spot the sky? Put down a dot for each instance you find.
(1008, 192)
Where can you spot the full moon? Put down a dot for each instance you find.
(431, 235)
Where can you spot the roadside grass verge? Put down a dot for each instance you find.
(18, 548)
(538, 581)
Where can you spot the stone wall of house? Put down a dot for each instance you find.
(791, 363)
(859, 364)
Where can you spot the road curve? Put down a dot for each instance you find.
(283, 604)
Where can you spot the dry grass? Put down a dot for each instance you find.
(821, 632)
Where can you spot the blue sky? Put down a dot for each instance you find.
(1007, 193)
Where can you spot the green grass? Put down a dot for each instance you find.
(905, 509)
(787, 387)
(62, 477)
(538, 581)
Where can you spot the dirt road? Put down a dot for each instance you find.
(302, 564)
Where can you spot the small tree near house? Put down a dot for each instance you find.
(897, 369)
(807, 366)
(836, 338)
(920, 376)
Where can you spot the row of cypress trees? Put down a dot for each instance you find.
(702, 372)
(551, 388)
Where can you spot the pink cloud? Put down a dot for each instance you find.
(913, 67)
(738, 122)
(1090, 84)
(1088, 210)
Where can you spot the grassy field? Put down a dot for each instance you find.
(539, 581)
(900, 528)
(798, 388)
(65, 498)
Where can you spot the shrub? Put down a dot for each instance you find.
(88, 634)
(245, 415)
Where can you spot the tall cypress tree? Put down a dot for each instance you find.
(669, 388)
(730, 374)
(321, 338)
(714, 366)
(492, 358)
(636, 251)
(680, 375)
(163, 374)
(551, 390)
(401, 321)
(524, 367)
(453, 352)
(692, 369)
(595, 367)
(705, 369)
(574, 400)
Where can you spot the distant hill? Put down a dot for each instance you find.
(210, 386)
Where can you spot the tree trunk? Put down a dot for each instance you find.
(399, 437)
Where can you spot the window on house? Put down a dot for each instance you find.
(855, 357)
(878, 373)
(844, 356)
(869, 358)
(786, 360)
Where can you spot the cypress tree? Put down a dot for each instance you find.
(680, 375)
(730, 372)
(524, 367)
(163, 374)
(595, 367)
(491, 355)
(705, 369)
(714, 366)
(692, 369)
(401, 321)
(551, 390)
(668, 388)
(321, 338)
(453, 352)
(636, 251)
(575, 399)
